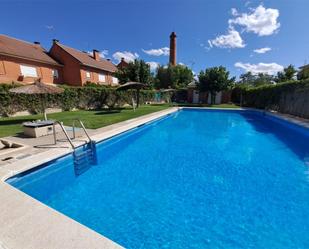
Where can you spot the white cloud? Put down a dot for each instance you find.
(231, 40)
(209, 43)
(247, 3)
(269, 68)
(260, 20)
(49, 27)
(103, 53)
(153, 65)
(262, 50)
(234, 12)
(158, 52)
(128, 56)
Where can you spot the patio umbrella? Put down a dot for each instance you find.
(170, 91)
(132, 85)
(40, 89)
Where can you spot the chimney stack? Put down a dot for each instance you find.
(173, 49)
(96, 55)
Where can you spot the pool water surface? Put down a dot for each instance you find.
(194, 179)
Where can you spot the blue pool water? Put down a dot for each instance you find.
(196, 179)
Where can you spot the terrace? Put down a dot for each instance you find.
(127, 147)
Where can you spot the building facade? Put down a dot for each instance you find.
(81, 67)
(122, 64)
(26, 62)
(194, 96)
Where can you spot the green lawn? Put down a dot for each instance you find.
(91, 119)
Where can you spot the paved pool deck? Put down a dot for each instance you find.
(29, 224)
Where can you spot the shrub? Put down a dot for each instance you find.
(289, 97)
(87, 97)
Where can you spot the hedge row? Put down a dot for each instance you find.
(290, 97)
(73, 97)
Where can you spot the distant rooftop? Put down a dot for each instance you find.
(305, 66)
(87, 60)
(21, 49)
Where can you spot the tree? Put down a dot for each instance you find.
(213, 80)
(138, 71)
(173, 76)
(247, 78)
(287, 74)
(303, 73)
(263, 79)
(255, 80)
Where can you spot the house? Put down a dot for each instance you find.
(122, 64)
(303, 72)
(81, 67)
(196, 97)
(25, 62)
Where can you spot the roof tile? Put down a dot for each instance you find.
(18, 48)
(87, 60)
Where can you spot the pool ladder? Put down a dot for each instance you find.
(85, 156)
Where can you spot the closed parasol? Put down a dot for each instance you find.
(135, 86)
(39, 88)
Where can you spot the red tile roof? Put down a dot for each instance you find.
(87, 60)
(17, 48)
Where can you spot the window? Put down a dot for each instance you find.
(28, 71)
(115, 80)
(101, 78)
(55, 73)
(88, 75)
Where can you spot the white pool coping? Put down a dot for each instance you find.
(29, 224)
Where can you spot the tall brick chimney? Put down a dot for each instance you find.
(37, 44)
(96, 55)
(173, 49)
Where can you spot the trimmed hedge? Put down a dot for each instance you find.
(87, 97)
(289, 97)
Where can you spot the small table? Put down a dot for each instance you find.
(38, 128)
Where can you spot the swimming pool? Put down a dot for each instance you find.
(194, 179)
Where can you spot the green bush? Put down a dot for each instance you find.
(87, 97)
(289, 97)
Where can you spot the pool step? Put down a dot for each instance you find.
(84, 159)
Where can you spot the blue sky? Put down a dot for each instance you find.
(210, 32)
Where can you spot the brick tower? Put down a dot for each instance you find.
(173, 49)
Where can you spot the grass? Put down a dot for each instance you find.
(91, 119)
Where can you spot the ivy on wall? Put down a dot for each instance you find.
(289, 97)
(88, 97)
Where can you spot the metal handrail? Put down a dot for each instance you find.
(65, 133)
(83, 127)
